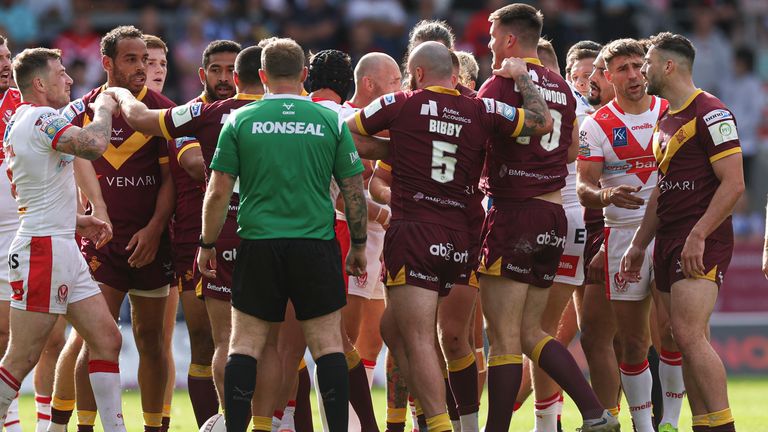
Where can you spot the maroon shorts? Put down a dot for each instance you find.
(342, 236)
(109, 266)
(595, 240)
(523, 241)
(426, 255)
(666, 261)
(184, 265)
(220, 287)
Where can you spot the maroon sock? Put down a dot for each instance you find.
(395, 427)
(202, 394)
(152, 428)
(421, 419)
(303, 416)
(84, 428)
(464, 387)
(702, 428)
(503, 385)
(166, 423)
(450, 402)
(360, 398)
(60, 416)
(556, 361)
(728, 427)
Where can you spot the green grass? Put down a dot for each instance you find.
(746, 396)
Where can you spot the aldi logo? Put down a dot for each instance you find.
(620, 137)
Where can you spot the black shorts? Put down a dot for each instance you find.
(270, 272)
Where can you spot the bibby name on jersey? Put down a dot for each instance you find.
(445, 128)
(298, 128)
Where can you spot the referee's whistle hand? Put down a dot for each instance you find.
(356, 261)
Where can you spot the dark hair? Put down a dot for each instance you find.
(675, 43)
(545, 46)
(283, 58)
(3, 40)
(622, 48)
(745, 55)
(219, 46)
(524, 20)
(247, 65)
(30, 63)
(580, 51)
(331, 69)
(431, 30)
(154, 42)
(110, 40)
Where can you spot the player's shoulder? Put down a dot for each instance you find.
(14, 95)
(603, 114)
(710, 109)
(153, 99)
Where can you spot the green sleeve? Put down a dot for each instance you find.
(226, 157)
(347, 163)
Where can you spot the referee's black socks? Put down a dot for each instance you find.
(333, 381)
(239, 384)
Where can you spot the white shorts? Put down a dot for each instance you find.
(5, 243)
(571, 269)
(617, 240)
(369, 285)
(48, 273)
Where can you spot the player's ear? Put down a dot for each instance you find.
(201, 75)
(236, 78)
(263, 78)
(106, 63)
(304, 74)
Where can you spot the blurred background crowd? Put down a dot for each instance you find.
(730, 36)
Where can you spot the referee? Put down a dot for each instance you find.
(284, 149)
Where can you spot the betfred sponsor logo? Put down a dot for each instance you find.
(448, 253)
(222, 289)
(517, 269)
(646, 405)
(551, 239)
(419, 275)
(568, 265)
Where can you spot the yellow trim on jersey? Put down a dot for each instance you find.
(304, 92)
(536, 353)
(383, 165)
(302, 364)
(359, 123)
(679, 138)
(723, 154)
(711, 276)
(473, 281)
(505, 359)
(163, 160)
(199, 288)
(163, 126)
(520, 123)
(203, 98)
(493, 270)
(443, 90)
(116, 156)
(248, 96)
(462, 363)
(142, 93)
(185, 148)
(533, 60)
(687, 102)
(399, 278)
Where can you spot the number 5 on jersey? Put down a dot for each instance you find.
(443, 166)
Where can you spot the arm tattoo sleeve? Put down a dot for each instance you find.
(91, 141)
(355, 205)
(536, 111)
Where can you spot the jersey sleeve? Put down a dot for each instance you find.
(380, 114)
(590, 141)
(347, 162)
(719, 136)
(75, 112)
(49, 126)
(179, 146)
(384, 164)
(180, 121)
(226, 158)
(502, 118)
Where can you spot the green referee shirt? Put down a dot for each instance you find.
(285, 149)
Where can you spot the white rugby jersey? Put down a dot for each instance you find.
(622, 142)
(583, 110)
(43, 178)
(9, 217)
(344, 111)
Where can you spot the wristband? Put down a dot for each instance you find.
(359, 241)
(205, 245)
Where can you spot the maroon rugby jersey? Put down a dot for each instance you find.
(438, 146)
(129, 170)
(686, 144)
(527, 167)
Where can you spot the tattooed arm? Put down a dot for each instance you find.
(91, 141)
(537, 121)
(356, 211)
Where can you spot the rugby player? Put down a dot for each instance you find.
(48, 275)
(419, 273)
(524, 182)
(137, 187)
(697, 149)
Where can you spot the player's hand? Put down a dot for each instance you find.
(631, 264)
(356, 261)
(101, 214)
(105, 101)
(206, 262)
(120, 94)
(511, 67)
(692, 256)
(622, 196)
(144, 245)
(596, 268)
(94, 229)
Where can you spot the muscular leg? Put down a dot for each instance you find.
(632, 318)
(290, 348)
(202, 392)
(64, 383)
(369, 341)
(45, 372)
(5, 315)
(479, 344)
(352, 315)
(269, 376)
(598, 329)
(169, 324)
(219, 313)
(670, 364)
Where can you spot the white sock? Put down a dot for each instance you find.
(276, 424)
(470, 422)
(53, 427)
(636, 380)
(456, 425)
(370, 366)
(105, 381)
(545, 413)
(672, 385)
(9, 391)
(43, 404)
(12, 421)
(287, 424)
(414, 417)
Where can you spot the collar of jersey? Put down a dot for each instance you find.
(141, 95)
(688, 102)
(285, 96)
(444, 90)
(247, 96)
(533, 60)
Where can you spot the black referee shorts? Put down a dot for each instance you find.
(270, 272)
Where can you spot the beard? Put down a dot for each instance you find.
(212, 92)
(413, 83)
(653, 89)
(127, 81)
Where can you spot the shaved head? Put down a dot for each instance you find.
(372, 62)
(433, 58)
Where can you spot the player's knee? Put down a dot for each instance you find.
(200, 342)
(453, 345)
(148, 340)
(5, 335)
(106, 347)
(635, 348)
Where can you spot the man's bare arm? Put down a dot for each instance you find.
(368, 147)
(588, 184)
(537, 119)
(91, 141)
(355, 205)
(216, 204)
(138, 116)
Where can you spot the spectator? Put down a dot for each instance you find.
(384, 20)
(713, 51)
(187, 57)
(476, 35)
(254, 22)
(20, 22)
(81, 42)
(314, 24)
